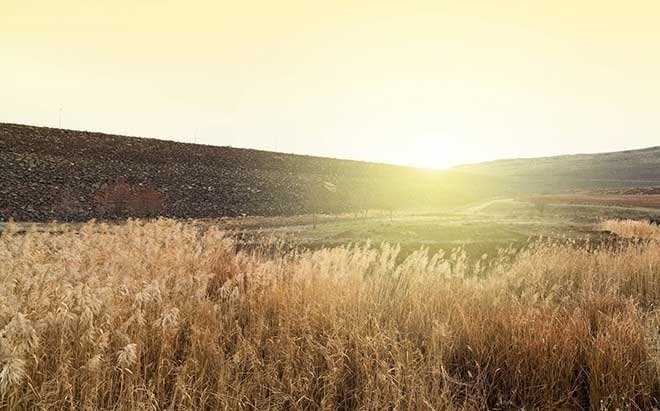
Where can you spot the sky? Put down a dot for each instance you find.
(415, 82)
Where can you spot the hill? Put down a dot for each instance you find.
(48, 173)
(623, 169)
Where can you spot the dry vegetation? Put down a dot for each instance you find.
(606, 199)
(161, 315)
(634, 229)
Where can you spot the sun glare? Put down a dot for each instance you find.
(431, 152)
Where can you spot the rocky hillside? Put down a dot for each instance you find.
(623, 169)
(54, 174)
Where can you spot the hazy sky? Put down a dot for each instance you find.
(428, 83)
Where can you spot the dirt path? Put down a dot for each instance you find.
(481, 207)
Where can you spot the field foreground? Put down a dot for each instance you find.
(167, 315)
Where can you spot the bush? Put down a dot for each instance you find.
(121, 199)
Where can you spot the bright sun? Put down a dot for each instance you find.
(431, 152)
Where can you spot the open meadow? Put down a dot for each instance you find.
(538, 309)
(479, 228)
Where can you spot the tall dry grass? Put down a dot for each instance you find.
(632, 229)
(165, 316)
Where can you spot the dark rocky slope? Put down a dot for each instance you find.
(53, 174)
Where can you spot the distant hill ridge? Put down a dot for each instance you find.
(48, 173)
(630, 168)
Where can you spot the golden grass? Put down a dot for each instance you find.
(632, 229)
(161, 315)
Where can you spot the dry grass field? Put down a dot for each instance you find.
(166, 315)
(634, 229)
(611, 198)
(292, 205)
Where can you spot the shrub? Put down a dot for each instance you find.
(121, 199)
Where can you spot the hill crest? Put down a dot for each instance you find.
(48, 173)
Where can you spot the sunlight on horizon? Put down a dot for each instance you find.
(422, 83)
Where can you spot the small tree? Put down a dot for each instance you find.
(121, 199)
